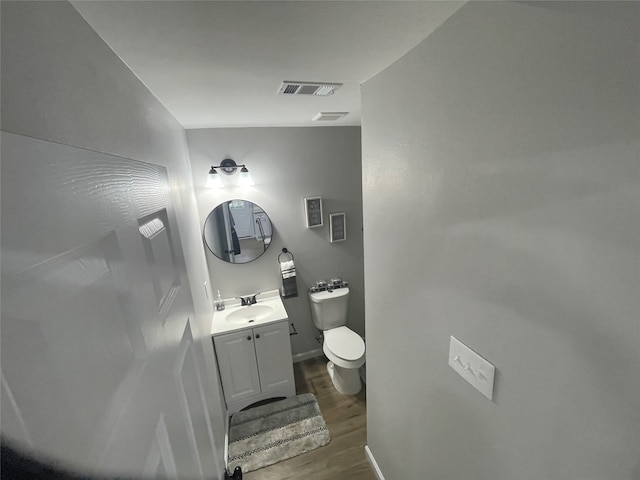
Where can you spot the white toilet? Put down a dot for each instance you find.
(343, 347)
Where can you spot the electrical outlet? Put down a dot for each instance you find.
(472, 367)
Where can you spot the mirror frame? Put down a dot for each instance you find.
(221, 237)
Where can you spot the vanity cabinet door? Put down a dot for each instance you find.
(273, 352)
(237, 363)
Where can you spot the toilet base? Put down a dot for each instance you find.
(346, 380)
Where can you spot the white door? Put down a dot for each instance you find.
(237, 363)
(99, 365)
(242, 213)
(273, 351)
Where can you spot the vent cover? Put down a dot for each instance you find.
(329, 116)
(308, 88)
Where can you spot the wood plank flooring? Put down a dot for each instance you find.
(345, 415)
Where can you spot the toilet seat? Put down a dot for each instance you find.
(344, 347)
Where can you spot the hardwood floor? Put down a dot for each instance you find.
(345, 415)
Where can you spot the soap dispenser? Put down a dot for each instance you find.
(219, 302)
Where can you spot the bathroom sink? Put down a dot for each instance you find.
(250, 314)
(268, 308)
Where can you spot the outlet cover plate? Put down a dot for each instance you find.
(472, 367)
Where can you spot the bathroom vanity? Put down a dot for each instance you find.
(253, 351)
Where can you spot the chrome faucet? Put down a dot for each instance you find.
(249, 300)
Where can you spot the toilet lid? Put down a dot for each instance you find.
(344, 343)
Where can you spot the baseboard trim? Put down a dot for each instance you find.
(299, 357)
(373, 463)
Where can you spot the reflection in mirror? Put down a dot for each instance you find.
(237, 231)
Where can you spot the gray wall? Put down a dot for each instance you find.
(63, 84)
(288, 164)
(500, 157)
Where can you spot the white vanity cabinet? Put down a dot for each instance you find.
(255, 364)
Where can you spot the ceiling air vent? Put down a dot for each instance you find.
(308, 88)
(329, 116)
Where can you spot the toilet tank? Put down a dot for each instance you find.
(329, 308)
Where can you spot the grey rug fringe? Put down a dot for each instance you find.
(270, 433)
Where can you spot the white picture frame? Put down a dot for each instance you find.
(338, 227)
(313, 212)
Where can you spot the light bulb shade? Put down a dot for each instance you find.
(213, 179)
(245, 179)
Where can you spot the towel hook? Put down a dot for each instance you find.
(284, 250)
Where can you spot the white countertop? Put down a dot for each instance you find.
(267, 309)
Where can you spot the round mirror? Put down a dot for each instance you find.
(237, 231)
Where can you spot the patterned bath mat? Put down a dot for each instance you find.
(276, 431)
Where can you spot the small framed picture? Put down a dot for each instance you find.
(313, 211)
(338, 227)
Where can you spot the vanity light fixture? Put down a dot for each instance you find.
(244, 179)
(213, 179)
(228, 167)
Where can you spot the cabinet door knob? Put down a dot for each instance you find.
(249, 337)
(258, 335)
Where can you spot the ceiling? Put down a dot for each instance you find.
(220, 63)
